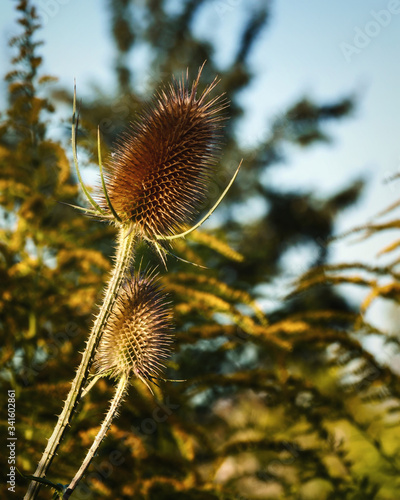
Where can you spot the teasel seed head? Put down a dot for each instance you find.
(158, 176)
(137, 337)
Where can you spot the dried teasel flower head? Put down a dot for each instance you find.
(137, 337)
(159, 173)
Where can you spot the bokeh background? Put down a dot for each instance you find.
(294, 396)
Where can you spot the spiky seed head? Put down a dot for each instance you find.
(137, 337)
(159, 173)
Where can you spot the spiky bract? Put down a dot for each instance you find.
(159, 173)
(137, 336)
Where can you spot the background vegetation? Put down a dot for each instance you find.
(285, 405)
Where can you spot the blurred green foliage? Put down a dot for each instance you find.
(287, 405)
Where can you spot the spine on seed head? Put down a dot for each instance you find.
(137, 337)
(159, 173)
(135, 341)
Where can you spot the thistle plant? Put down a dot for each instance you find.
(160, 170)
(152, 188)
(135, 341)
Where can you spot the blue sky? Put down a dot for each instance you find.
(324, 50)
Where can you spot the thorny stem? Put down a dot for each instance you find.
(115, 402)
(126, 241)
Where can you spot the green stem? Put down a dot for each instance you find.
(124, 256)
(115, 402)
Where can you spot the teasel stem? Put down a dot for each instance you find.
(112, 412)
(153, 189)
(123, 260)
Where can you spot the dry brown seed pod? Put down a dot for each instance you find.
(137, 337)
(159, 173)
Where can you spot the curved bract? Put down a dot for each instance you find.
(154, 185)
